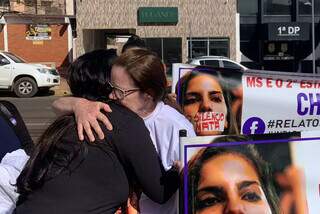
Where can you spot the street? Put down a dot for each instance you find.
(36, 111)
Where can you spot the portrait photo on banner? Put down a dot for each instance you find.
(225, 101)
(210, 98)
(271, 173)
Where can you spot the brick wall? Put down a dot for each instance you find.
(54, 50)
(1, 40)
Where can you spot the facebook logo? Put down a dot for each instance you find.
(254, 125)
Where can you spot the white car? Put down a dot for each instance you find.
(217, 62)
(23, 78)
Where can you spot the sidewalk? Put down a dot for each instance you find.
(62, 89)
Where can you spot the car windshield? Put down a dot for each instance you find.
(15, 58)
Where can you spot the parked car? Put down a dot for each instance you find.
(217, 62)
(25, 79)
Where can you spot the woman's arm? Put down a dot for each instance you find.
(87, 114)
(65, 105)
(139, 154)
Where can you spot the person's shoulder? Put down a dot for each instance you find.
(120, 110)
(172, 114)
(126, 124)
(174, 117)
(122, 115)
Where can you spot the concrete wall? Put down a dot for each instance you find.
(206, 18)
(70, 7)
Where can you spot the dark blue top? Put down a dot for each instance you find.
(13, 132)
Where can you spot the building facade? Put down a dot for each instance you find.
(197, 28)
(41, 7)
(38, 31)
(277, 34)
(37, 39)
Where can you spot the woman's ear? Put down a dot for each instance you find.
(148, 94)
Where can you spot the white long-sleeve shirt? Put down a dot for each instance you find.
(164, 124)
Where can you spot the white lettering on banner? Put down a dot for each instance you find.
(275, 103)
(254, 127)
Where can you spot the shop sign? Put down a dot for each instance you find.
(157, 15)
(288, 31)
(38, 32)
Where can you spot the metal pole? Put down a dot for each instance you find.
(190, 54)
(313, 41)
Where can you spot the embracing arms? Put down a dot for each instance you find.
(87, 114)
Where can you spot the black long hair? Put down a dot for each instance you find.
(46, 153)
(134, 41)
(87, 78)
(87, 75)
(247, 151)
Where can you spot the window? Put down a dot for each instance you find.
(14, 58)
(246, 7)
(46, 3)
(29, 2)
(5, 3)
(305, 7)
(199, 48)
(168, 49)
(219, 47)
(213, 63)
(228, 64)
(172, 50)
(155, 45)
(3, 61)
(277, 7)
(208, 47)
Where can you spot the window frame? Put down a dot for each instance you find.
(208, 40)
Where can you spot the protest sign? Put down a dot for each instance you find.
(280, 102)
(214, 164)
(253, 102)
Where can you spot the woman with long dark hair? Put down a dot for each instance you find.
(64, 175)
(230, 179)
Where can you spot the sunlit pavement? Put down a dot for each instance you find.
(36, 111)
